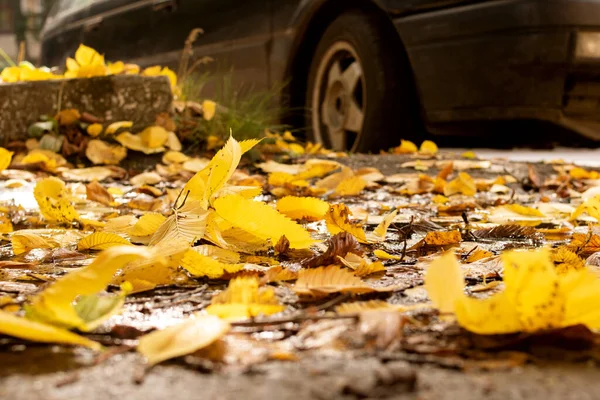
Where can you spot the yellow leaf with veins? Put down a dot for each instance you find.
(351, 186)
(194, 333)
(322, 281)
(244, 298)
(187, 223)
(101, 241)
(53, 199)
(262, 221)
(23, 242)
(24, 328)
(338, 220)
(147, 225)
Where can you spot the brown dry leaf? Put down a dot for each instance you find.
(322, 281)
(584, 244)
(338, 220)
(446, 170)
(505, 231)
(279, 274)
(338, 245)
(96, 192)
(283, 245)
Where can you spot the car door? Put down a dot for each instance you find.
(236, 34)
(120, 29)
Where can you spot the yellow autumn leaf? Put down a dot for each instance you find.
(101, 241)
(351, 186)
(154, 136)
(535, 298)
(360, 265)
(244, 298)
(188, 223)
(428, 147)
(209, 109)
(53, 199)
(565, 260)
(6, 225)
(26, 329)
(338, 220)
(590, 207)
(442, 238)
(94, 129)
(322, 281)
(478, 254)
(147, 225)
(195, 333)
(5, 158)
(55, 305)
(68, 116)
(580, 173)
(201, 265)
(100, 152)
(357, 307)
(23, 242)
(463, 184)
(261, 220)
(524, 210)
(444, 282)
(223, 255)
(384, 255)
(380, 231)
(115, 126)
(135, 142)
(469, 155)
(302, 208)
(174, 157)
(405, 147)
(439, 199)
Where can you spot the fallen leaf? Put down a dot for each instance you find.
(208, 109)
(244, 298)
(337, 220)
(319, 282)
(337, 246)
(442, 238)
(478, 254)
(147, 225)
(187, 223)
(53, 199)
(195, 333)
(302, 208)
(100, 152)
(361, 266)
(115, 126)
(201, 265)
(384, 255)
(463, 184)
(444, 282)
(23, 328)
(505, 231)
(101, 241)
(96, 192)
(428, 147)
(406, 147)
(351, 186)
(585, 244)
(261, 220)
(5, 158)
(94, 129)
(590, 207)
(23, 242)
(379, 233)
(523, 210)
(154, 136)
(566, 261)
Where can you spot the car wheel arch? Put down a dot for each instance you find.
(312, 24)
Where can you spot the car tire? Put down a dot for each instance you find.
(354, 44)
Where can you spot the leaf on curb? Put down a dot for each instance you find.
(195, 333)
(101, 241)
(24, 328)
(262, 221)
(53, 199)
(244, 298)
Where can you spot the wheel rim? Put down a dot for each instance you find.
(339, 98)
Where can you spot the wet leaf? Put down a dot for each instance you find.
(195, 333)
(53, 199)
(319, 282)
(505, 231)
(262, 221)
(54, 304)
(244, 298)
(101, 241)
(39, 332)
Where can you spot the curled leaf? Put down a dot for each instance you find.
(53, 199)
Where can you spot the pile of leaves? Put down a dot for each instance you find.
(320, 254)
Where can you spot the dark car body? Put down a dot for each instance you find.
(470, 60)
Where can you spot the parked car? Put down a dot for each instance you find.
(369, 72)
